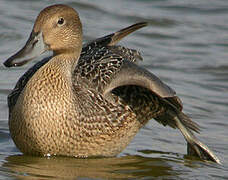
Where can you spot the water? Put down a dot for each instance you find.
(186, 45)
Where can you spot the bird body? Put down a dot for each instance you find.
(89, 100)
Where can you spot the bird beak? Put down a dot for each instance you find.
(34, 47)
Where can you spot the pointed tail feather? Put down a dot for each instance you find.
(117, 36)
(175, 118)
(195, 147)
(188, 123)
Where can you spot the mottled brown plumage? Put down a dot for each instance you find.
(91, 100)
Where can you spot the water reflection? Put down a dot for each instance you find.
(129, 167)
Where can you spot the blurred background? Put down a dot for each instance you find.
(185, 44)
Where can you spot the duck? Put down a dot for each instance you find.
(88, 100)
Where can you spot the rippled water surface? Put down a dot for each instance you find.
(185, 44)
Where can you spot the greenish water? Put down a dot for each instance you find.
(186, 45)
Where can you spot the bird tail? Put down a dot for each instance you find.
(175, 118)
(194, 146)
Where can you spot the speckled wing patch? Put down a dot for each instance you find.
(98, 65)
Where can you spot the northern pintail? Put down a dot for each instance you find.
(87, 100)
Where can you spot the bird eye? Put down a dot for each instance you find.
(60, 21)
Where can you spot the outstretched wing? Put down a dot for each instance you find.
(113, 73)
(149, 98)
